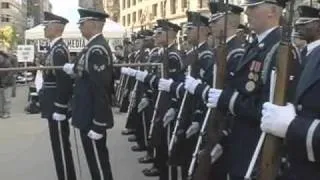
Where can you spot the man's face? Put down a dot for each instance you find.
(49, 30)
(192, 34)
(217, 27)
(160, 37)
(118, 51)
(138, 43)
(308, 31)
(85, 27)
(257, 17)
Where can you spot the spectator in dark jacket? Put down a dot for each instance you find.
(7, 81)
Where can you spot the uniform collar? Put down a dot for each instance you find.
(230, 38)
(93, 37)
(265, 34)
(312, 45)
(54, 41)
(172, 44)
(202, 43)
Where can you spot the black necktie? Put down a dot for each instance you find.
(304, 56)
(304, 51)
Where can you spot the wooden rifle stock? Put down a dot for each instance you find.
(216, 122)
(271, 152)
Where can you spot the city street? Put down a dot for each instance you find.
(25, 152)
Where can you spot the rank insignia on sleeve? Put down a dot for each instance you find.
(99, 68)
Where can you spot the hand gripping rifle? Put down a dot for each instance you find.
(214, 122)
(122, 76)
(271, 152)
(134, 95)
(156, 126)
(192, 60)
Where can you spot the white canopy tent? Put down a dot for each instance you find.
(111, 30)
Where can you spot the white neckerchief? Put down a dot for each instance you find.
(54, 41)
(263, 35)
(312, 45)
(230, 38)
(161, 51)
(93, 37)
(202, 43)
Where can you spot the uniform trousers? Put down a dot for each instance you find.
(61, 148)
(97, 156)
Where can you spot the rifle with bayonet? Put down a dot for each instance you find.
(214, 122)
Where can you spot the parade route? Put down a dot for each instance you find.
(25, 151)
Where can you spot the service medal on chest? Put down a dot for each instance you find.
(250, 86)
(251, 75)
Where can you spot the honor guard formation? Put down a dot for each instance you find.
(228, 102)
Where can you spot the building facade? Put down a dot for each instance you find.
(135, 14)
(113, 8)
(35, 11)
(14, 13)
(92, 4)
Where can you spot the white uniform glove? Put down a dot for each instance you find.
(58, 117)
(94, 136)
(141, 75)
(193, 129)
(164, 84)
(216, 153)
(213, 97)
(128, 71)
(169, 116)
(190, 84)
(143, 104)
(276, 119)
(68, 68)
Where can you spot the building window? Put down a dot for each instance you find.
(123, 4)
(133, 2)
(128, 3)
(139, 14)
(163, 9)
(154, 10)
(173, 6)
(203, 3)
(5, 18)
(134, 17)
(5, 5)
(124, 20)
(128, 19)
(184, 4)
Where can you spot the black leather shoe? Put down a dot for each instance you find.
(137, 148)
(127, 132)
(151, 172)
(146, 159)
(132, 139)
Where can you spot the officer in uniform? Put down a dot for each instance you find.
(248, 87)
(55, 95)
(165, 36)
(201, 59)
(124, 96)
(91, 112)
(299, 124)
(146, 106)
(234, 50)
(144, 38)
